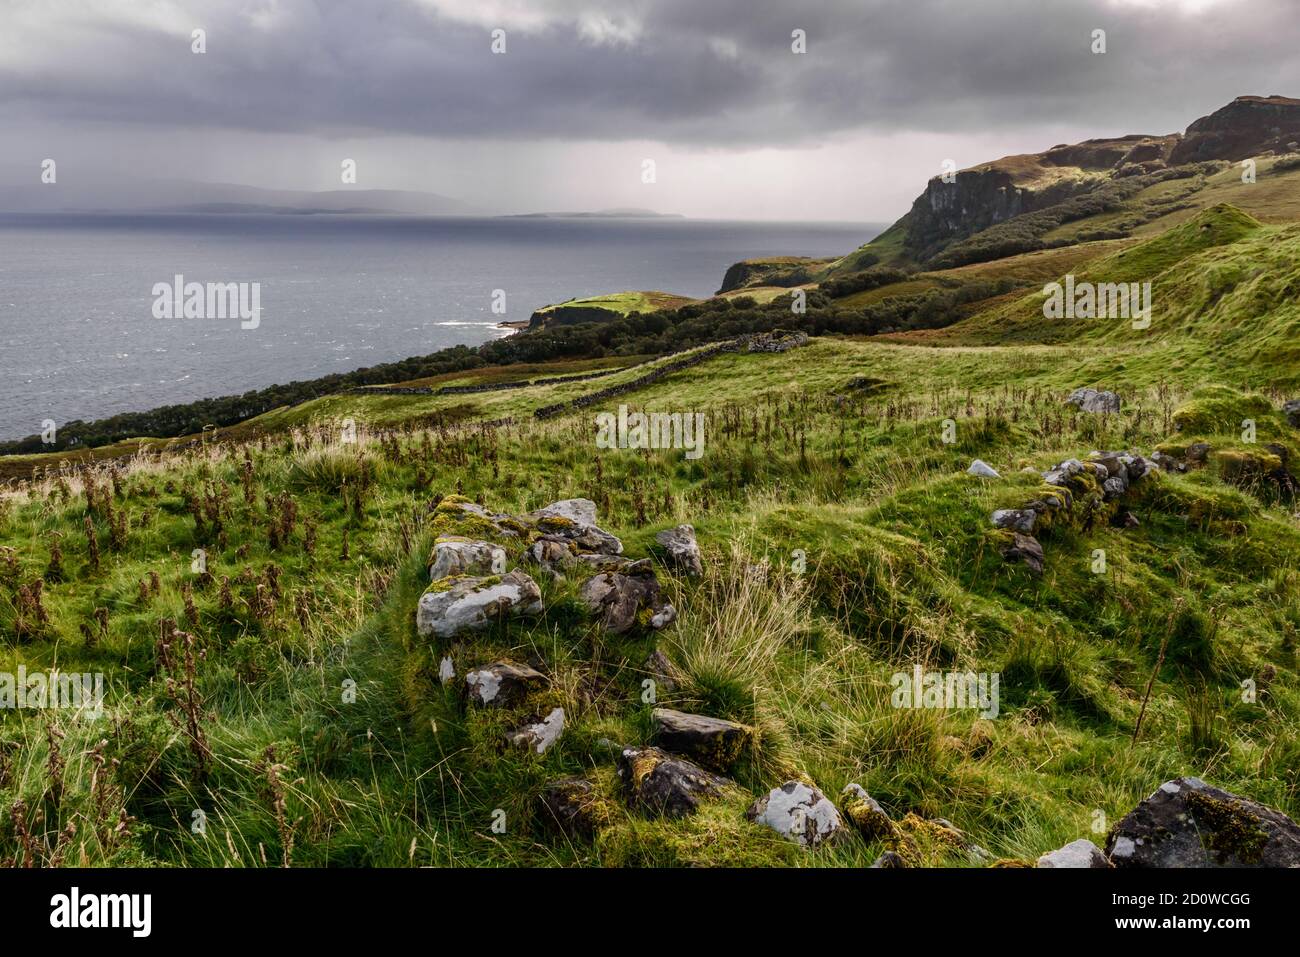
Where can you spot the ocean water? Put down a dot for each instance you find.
(79, 338)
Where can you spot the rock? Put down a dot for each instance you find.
(1062, 473)
(866, 814)
(889, 859)
(983, 469)
(713, 742)
(1092, 400)
(574, 807)
(1020, 519)
(502, 684)
(1025, 548)
(457, 555)
(625, 599)
(1292, 412)
(682, 549)
(1080, 853)
(554, 555)
(1188, 823)
(1198, 453)
(661, 670)
(453, 606)
(581, 511)
(574, 520)
(1114, 487)
(540, 736)
(446, 670)
(798, 812)
(1167, 463)
(663, 785)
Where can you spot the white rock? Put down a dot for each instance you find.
(580, 510)
(983, 469)
(1080, 853)
(798, 813)
(453, 555)
(538, 737)
(473, 604)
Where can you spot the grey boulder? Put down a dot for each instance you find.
(1080, 853)
(798, 812)
(1188, 823)
(682, 549)
(663, 785)
(1093, 400)
(460, 604)
(502, 684)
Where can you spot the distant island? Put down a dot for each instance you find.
(625, 213)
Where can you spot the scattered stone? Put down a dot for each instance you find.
(683, 551)
(540, 736)
(574, 520)
(889, 859)
(798, 812)
(713, 742)
(457, 555)
(581, 511)
(1198, 453)
(502, 684)
(1167, 463)
(452, 606)
(1188, 823)
(1025, 548)
(1080, 853)
(663, 785)
(661, 670)
(1020, 519)
(1092, 400)
(628, 598)
(983, 469)
(866, 814)
(554, 555)
(1292, 412)
(574, 807)
(446, 670)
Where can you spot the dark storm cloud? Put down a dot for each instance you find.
(705, 72)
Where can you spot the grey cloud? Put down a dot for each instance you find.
(402, 67)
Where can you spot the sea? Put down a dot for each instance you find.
(81, 335)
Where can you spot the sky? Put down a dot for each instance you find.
(737, 123)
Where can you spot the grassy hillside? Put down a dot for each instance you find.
(1224, 303)
(832, 454)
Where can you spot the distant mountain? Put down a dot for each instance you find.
(624, 213)
(73, 195)
(1030, 201)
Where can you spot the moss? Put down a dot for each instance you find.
(1013, 862)
(443, 584)
(872, 823)
(1219, 410)
(1233, 832)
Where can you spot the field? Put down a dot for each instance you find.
(272, 703)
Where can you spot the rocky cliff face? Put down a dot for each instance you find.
(986, 195)
(779, 271)
(1248, 126)
(995, 192)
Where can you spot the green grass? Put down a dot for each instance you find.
(843, 543)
